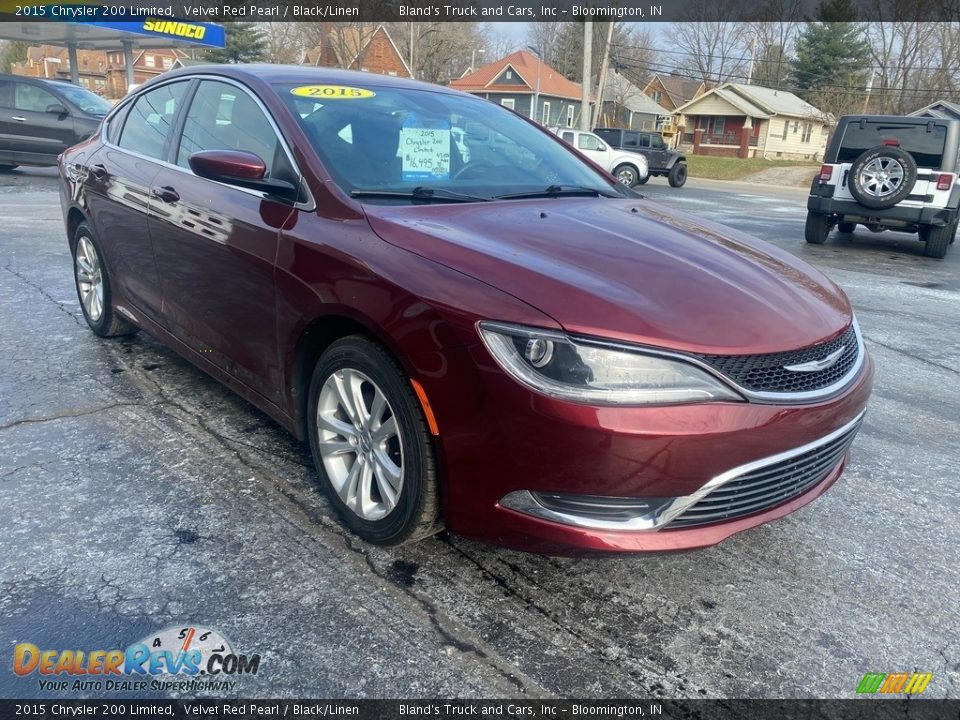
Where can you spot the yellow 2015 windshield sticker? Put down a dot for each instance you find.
(333, 92)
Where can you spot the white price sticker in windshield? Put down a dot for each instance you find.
(425, 152)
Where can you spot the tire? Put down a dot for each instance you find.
(678, 175)
(8, 168)
(937, 239)
(846, 227)
(355, 466)
(627, 174)
(817, 228)
(882, 176)
(93, 286)
(643, 181)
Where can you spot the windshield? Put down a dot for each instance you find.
(84, 99)
(404, 141)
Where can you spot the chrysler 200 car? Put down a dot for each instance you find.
(471, 324)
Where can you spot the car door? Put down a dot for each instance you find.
(216, 244)
(594, 148)
(659, 154)
(118, 181)
(37, 130)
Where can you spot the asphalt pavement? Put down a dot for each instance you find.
(136, 494)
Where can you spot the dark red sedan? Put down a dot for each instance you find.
(473, 326)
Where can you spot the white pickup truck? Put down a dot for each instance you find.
(628, 167)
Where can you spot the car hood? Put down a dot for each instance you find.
(628, 269)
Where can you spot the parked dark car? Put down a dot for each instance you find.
(889, 172)
(661, 159)
(515, 346)
(39, 119)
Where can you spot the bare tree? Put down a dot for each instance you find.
(714, 52)
(441, 50)
(284, 42)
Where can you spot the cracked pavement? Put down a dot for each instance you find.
(136, 493)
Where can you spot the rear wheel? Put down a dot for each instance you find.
(817, 228)
(627, 174)
(678, 175)
(937, 239)
(371, 445)
(93, 286)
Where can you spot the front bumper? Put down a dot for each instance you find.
(500, 438)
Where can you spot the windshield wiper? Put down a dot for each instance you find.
(557, 191)
(420, 193)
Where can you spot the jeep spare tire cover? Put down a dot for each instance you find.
(882, 177)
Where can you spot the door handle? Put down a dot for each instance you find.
(18, 118)
(166, 193)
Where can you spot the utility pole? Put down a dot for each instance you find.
(413, 72)
(753, 52)
(866, 98)
(587, 71)
(601, 82)
(536, 92)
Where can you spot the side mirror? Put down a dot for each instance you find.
(57, 109)
(240, 168)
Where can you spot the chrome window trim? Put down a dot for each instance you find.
(309, 205)
(524, 501)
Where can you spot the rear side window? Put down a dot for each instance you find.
(224, 117)
(631, 139)
(924, 142)
(150, 120)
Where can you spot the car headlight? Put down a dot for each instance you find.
(559, 366)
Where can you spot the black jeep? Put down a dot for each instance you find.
(889, 172)
(660, 159)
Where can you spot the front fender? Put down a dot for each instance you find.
(633, 159)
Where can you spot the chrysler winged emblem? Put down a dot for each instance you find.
(821, 364)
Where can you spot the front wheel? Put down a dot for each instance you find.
(93, 286)
(678, 175)
(627, 174)
(371, 445)
(816, 229)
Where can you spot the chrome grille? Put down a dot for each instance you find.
(767, 486)
(767, 372)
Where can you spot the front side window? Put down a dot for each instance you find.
(150, 120)
(224, 117)
(33, 99)
(402, 139)
(657, 142)
(85, 100)
(589, 142)
(6, 93)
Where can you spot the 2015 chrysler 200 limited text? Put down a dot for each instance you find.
(471, 324)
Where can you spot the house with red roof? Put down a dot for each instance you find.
(521, 80)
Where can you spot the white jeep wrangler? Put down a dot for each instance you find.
(889, 173)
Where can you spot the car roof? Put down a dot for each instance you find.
(305, 74)
(901, 119)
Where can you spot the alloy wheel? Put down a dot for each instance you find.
(89, 278)
(882, 176)
(360, 444)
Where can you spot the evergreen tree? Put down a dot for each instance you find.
(832, 60)
(245, 43)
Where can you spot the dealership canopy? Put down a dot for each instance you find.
(96, 35)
